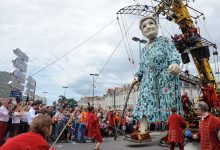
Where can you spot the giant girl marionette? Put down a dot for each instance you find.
(158, 77)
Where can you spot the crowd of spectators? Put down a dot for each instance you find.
(21, 113)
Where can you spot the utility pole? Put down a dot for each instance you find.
(114, 98)
(65, 87)
(45, 98)
(140, 41)
(34, 91)
(93, 86)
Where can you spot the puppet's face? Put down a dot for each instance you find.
(149, 29)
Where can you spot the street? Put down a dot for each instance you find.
(121, 144)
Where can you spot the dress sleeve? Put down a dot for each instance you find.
(172, 52)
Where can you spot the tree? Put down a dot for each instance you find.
(71, 102)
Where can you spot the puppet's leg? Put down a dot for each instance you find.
(142, 134)
(144, 125)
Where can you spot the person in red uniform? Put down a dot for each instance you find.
(93, 128)
(111, 122)
(40, 128)
(210, 96)
(175, 133)
(209, 128)
(186, 102)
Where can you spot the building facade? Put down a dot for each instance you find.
(5, 89)
(115, 98)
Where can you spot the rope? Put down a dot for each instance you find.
(64, 127)
(129, 59)
(162, 28)
(129, 41)
(205, 29)
(93, 35)
(203, 25)
(105, 65)
(127, 49)
(103, 68)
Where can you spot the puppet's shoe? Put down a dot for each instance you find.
(138, 136)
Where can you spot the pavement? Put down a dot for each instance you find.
(120, 144)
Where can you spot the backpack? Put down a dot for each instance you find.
(188, 133)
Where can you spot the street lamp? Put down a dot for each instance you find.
(140, 41)
(45, 98)
(93, 85)
(65, 87)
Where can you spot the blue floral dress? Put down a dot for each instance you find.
(159, 90)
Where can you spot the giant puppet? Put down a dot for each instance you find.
(158, 77)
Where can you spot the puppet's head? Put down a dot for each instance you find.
(148, 26)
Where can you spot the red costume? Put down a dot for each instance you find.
(111, 121)
(26, 141)
(208, 128)
(93, 127)
(175, 133)
(210, 96)
(185, 102)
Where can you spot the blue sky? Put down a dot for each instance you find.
(47, 29)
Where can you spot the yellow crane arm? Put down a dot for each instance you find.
(177, 11)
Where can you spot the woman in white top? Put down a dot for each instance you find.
(24, 120)
(16, 119)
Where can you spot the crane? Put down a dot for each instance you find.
(190, 41)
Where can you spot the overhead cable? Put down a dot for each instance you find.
(53, 62)
(103, 68)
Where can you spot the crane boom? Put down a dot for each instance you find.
(190, 40)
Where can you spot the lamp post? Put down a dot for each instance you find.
(65, 87)
(140, 41)
(45, 98)
(93, 85)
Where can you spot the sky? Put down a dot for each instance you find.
(89, 35)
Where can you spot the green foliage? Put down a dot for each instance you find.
(69, 102)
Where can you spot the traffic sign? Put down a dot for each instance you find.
(20, 64)
(31, 80)
(21, 54)
(29, 92)
(16, 94)
(16, 85)
(30, 86)
(18, 76)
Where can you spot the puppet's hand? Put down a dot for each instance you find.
(174, 69)
(135, 81)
